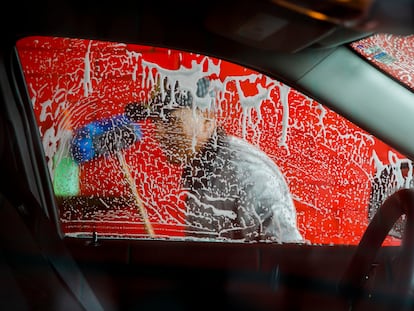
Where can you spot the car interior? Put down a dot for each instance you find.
(73, 241)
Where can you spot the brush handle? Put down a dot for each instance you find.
(138, 201)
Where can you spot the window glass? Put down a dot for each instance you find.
(149, 142)
(391, 53)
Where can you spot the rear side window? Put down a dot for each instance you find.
(125, 128)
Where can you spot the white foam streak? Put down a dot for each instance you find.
(87, 84)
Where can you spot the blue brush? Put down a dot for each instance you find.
(103, 137)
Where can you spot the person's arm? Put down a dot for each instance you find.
(275, 207)
(268, 192)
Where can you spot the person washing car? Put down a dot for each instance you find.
(234, 190)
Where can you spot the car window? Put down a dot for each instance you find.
(391, 53)
(113, 142)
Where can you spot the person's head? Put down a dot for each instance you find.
(184, 132)
(182, 126)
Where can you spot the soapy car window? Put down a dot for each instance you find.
(80, 89)
(393, 54)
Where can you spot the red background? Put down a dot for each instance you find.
(329, 175)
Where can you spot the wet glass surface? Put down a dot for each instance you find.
(391, 53)
(242, 157)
